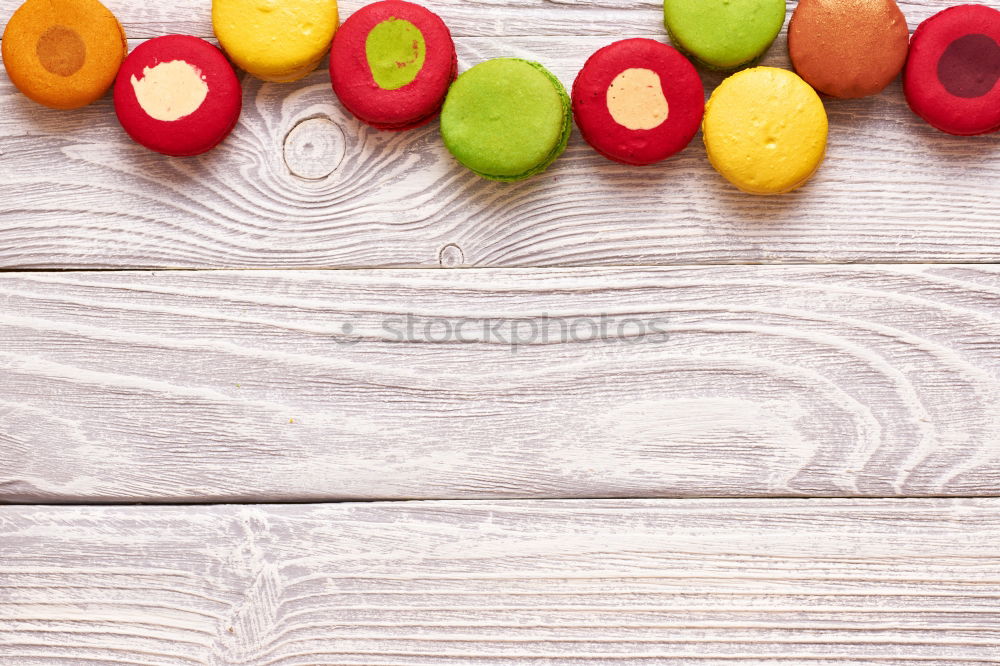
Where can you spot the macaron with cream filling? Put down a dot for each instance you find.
(638, 101)
(177, 95)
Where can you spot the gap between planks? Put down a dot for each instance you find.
(499, 500)
(523, 269)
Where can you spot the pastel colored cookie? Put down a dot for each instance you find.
(724, 34)
(952, 72)
(765, 130)
(638, 101)
(506, 119)
(275, 40)
(63, 53)
(391, 64)
(177, 95)
(848, 48)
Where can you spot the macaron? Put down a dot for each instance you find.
(275, 40)
(177, 95)
(638, 101)
(724, 34)
(952, 72)
(765, 130)
(391, 64)
(506, 119)
(848, 48)
(63, 53)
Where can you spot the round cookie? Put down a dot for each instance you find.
(724, 34)
(177, 95)
(275, 40)
(63, 53)
(506, 119)
(848, 48)
(952, 72)
(391, 64)
(765, 130)
(638, 101)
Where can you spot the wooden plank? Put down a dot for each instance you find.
(704, 582)
(316, 385)
(465, 18)
(301, 184)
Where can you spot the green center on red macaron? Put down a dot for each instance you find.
(391, 64)
(395, 50)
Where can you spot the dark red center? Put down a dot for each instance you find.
(970, 66)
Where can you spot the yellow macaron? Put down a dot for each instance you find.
(63, 53)
(765, 130)
(275, 40)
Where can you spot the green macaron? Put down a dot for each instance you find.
(724, 34)
(506, 119)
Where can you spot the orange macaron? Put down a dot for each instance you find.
(63, 53)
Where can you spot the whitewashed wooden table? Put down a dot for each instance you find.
(799, 463)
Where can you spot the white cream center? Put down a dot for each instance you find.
(170, 90)
(636, 100)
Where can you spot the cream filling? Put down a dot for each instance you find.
(636, 100)
(170, 90)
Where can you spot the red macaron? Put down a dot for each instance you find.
(638, 101)
(177, 95)
(391, 64)
(952, 71)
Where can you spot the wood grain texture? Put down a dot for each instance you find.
(465, 18)
(301, 184)
(315, 385)
(706, 582)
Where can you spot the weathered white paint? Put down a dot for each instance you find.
(465, 18)
(212, 386)
(786, 582)
(294, 385)
(299, 183)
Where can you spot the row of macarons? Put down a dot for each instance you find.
(637, 101)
